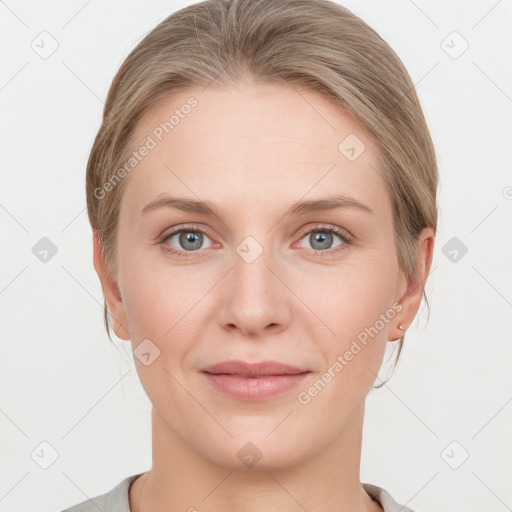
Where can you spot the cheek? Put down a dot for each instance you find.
(164, 304)
(353, 297)
(358, 310)
(357, 306)
(163, 307)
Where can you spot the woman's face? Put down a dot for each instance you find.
(262, 279)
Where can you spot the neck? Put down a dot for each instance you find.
(184, 479)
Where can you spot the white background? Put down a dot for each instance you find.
(61, 381)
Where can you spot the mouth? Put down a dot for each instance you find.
(246, 369)
(253, 381)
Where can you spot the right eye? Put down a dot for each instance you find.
(189, 239)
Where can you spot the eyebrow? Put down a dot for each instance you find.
(300, 208)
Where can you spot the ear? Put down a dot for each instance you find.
(411, 292)
(110, 291)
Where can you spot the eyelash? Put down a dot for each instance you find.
(347, 240)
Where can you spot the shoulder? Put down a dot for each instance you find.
(115, 500)
(385, 499)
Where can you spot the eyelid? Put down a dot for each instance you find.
(341, 232)
(185, 227)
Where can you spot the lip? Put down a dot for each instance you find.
(253, 381)
(245, 369)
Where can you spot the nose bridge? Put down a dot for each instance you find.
(252, 259)
(254, 297)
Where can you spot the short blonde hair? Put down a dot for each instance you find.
(315, 44)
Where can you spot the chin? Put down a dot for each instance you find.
(258, 454)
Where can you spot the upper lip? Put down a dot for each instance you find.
(243, 368)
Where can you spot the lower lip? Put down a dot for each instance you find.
(254, 389)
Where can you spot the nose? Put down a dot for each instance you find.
(253, 298)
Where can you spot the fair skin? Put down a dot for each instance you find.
(253, 151)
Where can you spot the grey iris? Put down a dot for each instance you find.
(193, 237)
(322, 238)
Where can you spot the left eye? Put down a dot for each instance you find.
(322, 238)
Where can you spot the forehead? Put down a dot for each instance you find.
(248, 142)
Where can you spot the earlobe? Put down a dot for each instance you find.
(411, 298)
(111, 291)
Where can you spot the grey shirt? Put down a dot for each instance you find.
(116, 500)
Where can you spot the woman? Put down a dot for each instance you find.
(262, 193)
